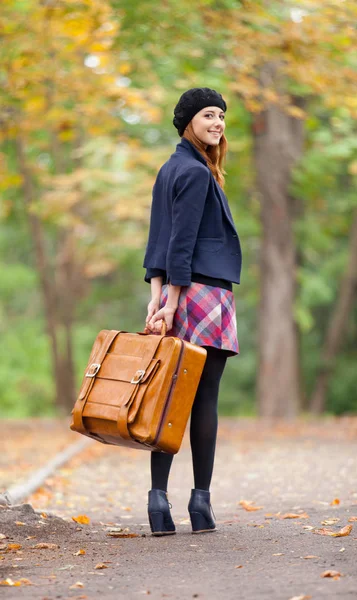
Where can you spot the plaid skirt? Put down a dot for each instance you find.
(205, 316)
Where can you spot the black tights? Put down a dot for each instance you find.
(203, 428)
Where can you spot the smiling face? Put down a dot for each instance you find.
(209, 125)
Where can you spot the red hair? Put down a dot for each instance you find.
(214, 155)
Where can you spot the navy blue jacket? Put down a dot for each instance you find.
(191, 226)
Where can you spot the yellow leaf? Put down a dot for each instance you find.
(124, 68)
(296, 112)
(25, 581)
(100, 566)
(10, 582)
(295, 516)
(67, 135)
(334, 502)
(78, 584)
(14, 546)
(247, 505)
(330, 521)
(19, 523)
(329, 573)
(79, 552)
(44, 546)
(82, 519)
(342, 533)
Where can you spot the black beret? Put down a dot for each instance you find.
(191, 102)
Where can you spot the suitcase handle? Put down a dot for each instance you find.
(163, 329)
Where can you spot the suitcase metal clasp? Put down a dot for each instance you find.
(138, 376)
(96, 367)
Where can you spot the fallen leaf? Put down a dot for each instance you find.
(300, 598)
(14, 546)
(44, 546)
(10, 582)
(19, 523)
(335, 501)
(295, 516)
(44, 515)
(79, 552)
(247, 505)
(279, 554)
(333, 574)
(351, 519)
(25, 581)
(330, 521)
(239, 567)
(82, 519)
(343, 532)
(310, 556)
(3, 536)
(78, 584)
(100, 566)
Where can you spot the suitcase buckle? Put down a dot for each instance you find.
(138, 376)
(96, 367)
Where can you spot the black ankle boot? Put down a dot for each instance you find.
(200, 511)
(160, 519)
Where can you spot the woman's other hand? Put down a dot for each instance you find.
(153, 307)
(164, 314)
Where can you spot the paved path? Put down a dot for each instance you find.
(303, 469)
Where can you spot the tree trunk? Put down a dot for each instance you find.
(66, 284)
(278, 144)
(337, 328)
(62, 397)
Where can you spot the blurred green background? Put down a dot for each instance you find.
(87, 96)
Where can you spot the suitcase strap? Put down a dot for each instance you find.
(91, 372)
(122, 422)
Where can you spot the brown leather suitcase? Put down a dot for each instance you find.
(138, 390)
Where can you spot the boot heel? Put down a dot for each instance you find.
(200, 524)
(157, 523)
(200, 510)
(160, 519)
(158, 526)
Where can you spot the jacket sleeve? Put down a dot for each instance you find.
(188, 204)
(150, 273)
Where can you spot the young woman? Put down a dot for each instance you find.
(192, 257)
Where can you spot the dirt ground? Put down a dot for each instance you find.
(299, 479)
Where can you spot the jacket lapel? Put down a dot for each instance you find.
(224, 202)
(186, 146)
